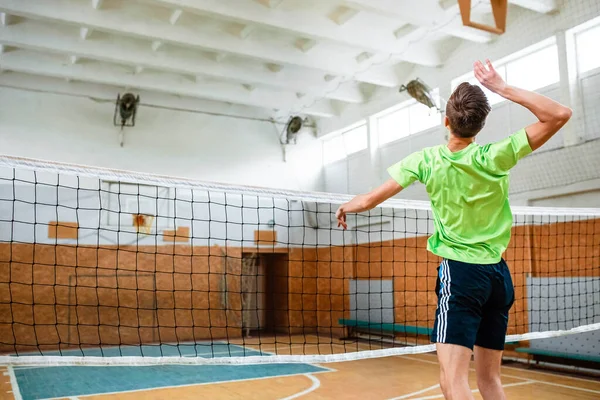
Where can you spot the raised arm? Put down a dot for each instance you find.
(551, 115)
(364, 202)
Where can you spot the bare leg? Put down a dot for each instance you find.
(454, 371)
(487, 365)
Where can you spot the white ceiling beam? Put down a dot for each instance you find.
(306, 24)
(156, 45)
(275, 68)
(246, 31)
(109, 94)
(305, 45)
(84, 33)
(364, 56)
(270, 3)
(413, 55)
(72, 12)
(33, 36)
(405, 30)
(424, 15)
(6, 19)
(343, 14)
(175, 15)
(39, 64)
(97, 4)
(241, 30)
(219, 57)
(540, 6)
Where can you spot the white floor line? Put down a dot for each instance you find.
(440, 396)
(406, 396)
(327, 369)
(537, 372)
(316, 384)
(567, 386)
(14, 384)
(418, 359)
(552, 374)
(528, 379)
(194, 384)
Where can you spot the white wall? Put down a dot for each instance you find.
(580, 199)
(559, 167)
(178, 143)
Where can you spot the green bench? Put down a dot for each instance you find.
(566, 358)
(354, 324)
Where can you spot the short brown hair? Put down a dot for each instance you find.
(467, 110)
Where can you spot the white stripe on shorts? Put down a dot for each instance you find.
(444, 302)
(441, 300)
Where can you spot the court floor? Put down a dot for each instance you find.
(402, 377)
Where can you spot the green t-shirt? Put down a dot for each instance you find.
(468, 190)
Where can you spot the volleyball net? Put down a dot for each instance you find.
(105, 267)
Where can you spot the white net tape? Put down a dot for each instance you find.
(274, 359)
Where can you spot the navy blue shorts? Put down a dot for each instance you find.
(473, 304)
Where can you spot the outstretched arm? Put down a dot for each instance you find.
(364, 202)
(551, 115)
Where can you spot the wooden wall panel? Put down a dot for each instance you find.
(86, 296)
(63, 230)
(176, 291)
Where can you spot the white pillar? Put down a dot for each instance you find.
(570, 93)
(374, 153)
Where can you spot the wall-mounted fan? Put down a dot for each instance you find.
(125, 111)
(292, 128)
(419, 91)
(290, 132)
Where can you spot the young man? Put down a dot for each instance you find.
(468, 188)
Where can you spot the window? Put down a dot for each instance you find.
(355, 139)
(342, 145)
(333, 149)
(422, 118)
(532, 68)
(536, 70)
(393, 126)
(588, 56)
(407, 119)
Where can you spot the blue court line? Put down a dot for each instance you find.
(61, 382)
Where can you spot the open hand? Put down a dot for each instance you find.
(341, 218)
(489, 77)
